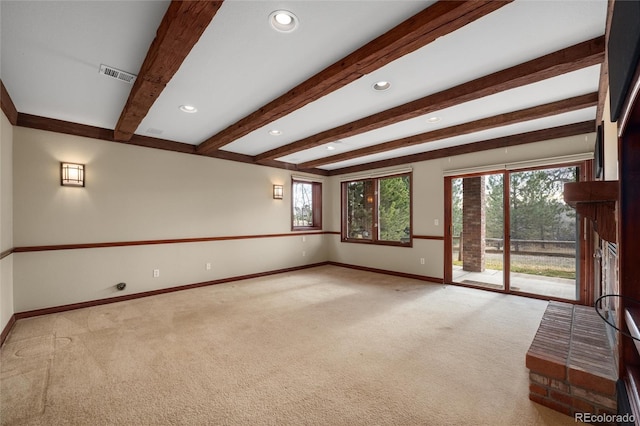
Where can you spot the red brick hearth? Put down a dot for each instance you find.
(571, 363)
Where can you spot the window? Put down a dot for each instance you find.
(306, 205)
(377, 210)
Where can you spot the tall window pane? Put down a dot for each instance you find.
(302, 204)
(360, 209)
(544, 236)
(394, 209)
(306, 205)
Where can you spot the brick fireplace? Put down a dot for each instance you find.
(571, 362)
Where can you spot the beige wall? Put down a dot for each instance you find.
(6, 220)
(134, 194)
(428, 206)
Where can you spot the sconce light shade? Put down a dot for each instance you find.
(278, 192)
(71, 174)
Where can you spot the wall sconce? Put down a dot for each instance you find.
(71, 174)
(278, 192)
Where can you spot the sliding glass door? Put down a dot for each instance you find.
(543, 233)
(511, 231)
(478, 231)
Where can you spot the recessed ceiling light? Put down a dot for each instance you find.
(283, 21)
(188, 108)
(283, 18)
(275, 132)
(433, 119)
(381, 85)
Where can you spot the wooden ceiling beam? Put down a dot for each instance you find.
(503, 142)
(534, 113)
(7, 105)
(180, 29)
(66, 127)
(554, 64)
(421, 29)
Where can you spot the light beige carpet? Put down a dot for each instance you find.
(323, 346)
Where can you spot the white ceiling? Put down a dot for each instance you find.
(51, 52)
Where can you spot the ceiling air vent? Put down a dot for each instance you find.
(117, 74)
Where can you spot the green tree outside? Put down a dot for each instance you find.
(394, 208)
(538, 211)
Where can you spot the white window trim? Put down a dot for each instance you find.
(541, 162)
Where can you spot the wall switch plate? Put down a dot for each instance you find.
(422, 260)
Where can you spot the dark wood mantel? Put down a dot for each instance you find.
(597, 201)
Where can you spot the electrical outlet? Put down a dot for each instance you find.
(207, 266)
(304, 253)
(304, 238)
(156, 273)
(436, 222)
(422, 260)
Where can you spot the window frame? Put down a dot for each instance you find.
(316, 202)
(375, 213)
(584, 237)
